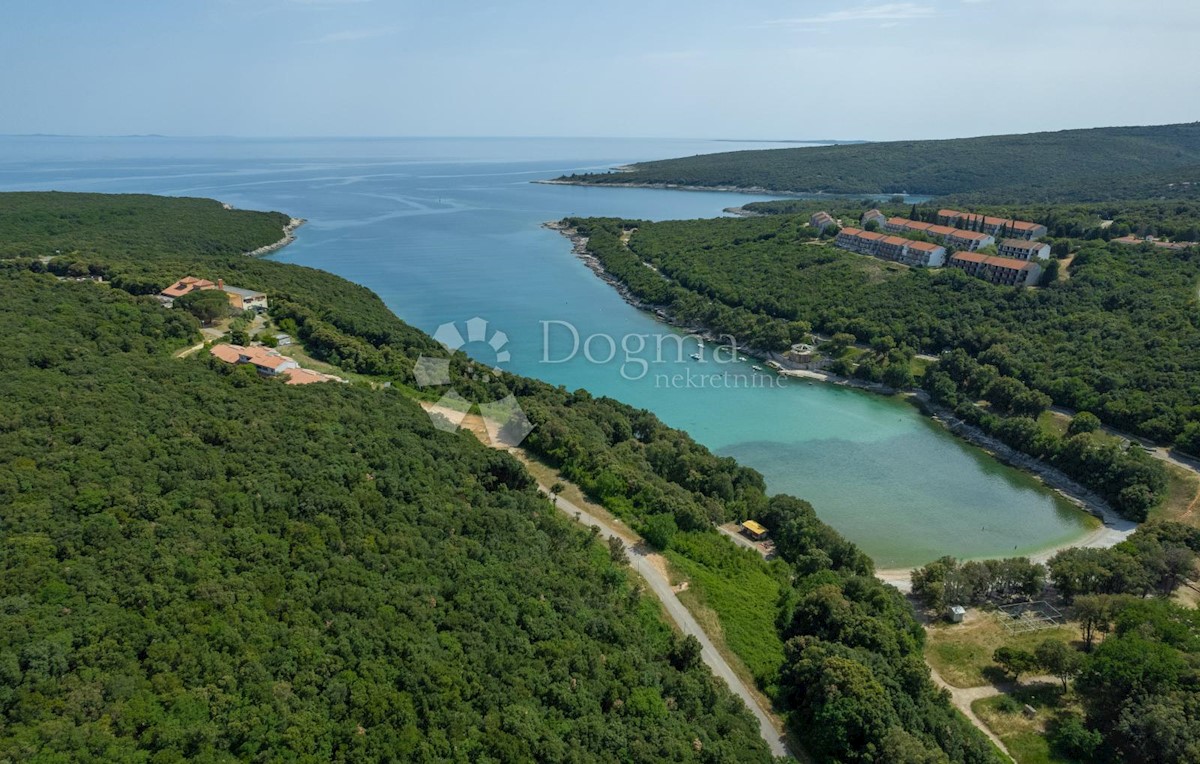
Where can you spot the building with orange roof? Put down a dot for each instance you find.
(875, 215)
(969, 240)
(925, 253)
(821, 221)
(240, 299)
(268, 362)
(1024, 250)
(1004, 271)
(1002, 227)
(308, 377)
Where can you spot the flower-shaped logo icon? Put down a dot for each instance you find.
(504, 420)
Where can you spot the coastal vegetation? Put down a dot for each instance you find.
(1071, 165)
(201, 563)
(1119, 339)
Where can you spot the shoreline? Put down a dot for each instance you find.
(1114, 528)
(687, 187)
(289, 235)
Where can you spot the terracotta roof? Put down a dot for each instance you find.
(871, 235)
(949, 213)
(1023, 244)
(971, 235)
(898, 221)
(895, 240)
(1008, 263)
(941, 230)
(227, 353)
(924, 246)
(306, 377)
(185, 285)
(269, 360)
(851, 232)
(1022, 225)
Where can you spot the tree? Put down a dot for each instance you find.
(658, 530)
(616, 551)
(898, 376)
(207, 305)
(1057, 657)
(1084, 421)
(1094, 612)
(1015, 661)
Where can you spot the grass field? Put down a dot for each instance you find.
(1025, 736)
(962, 653)
(736, 585)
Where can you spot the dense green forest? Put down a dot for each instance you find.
(1079, 165)
(203, 564)
(1120, 338)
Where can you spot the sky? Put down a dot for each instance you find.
(752, 69)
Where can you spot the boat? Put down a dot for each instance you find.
(696, 357)
(756, 368)
(742, 358)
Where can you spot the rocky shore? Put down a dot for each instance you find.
(675, 187)
(289, 235)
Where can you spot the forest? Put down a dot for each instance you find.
(1120, 338)
(202, 564)
(1079, 165)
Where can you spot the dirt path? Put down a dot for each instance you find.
(962, 700)
(188, 351)
(651, 566)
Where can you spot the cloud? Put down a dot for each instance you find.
(887, 12)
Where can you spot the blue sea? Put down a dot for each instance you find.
(448, 230)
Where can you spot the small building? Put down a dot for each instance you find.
(801, 353)
(1024, 250)
(821, 221)
(283, 340)
(957, 613)
(1004, 271)
(879, 218)
(753, 530)
(243, 299)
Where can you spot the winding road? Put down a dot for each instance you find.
(652, 567)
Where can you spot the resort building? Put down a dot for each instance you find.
(999, 270)
(1024, 250)
(1003, 227)
(875, 215)
(1134, 240)
(821, 221)
(896, 248)
(925, 254)
(968, 240)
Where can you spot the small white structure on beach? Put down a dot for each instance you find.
(957, 613)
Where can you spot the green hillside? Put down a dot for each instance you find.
(1095, 164)
(202, 564)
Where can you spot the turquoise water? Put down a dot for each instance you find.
(447, 230)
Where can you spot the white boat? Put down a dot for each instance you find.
(741, 358)
(756, 368)
(696, 357)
